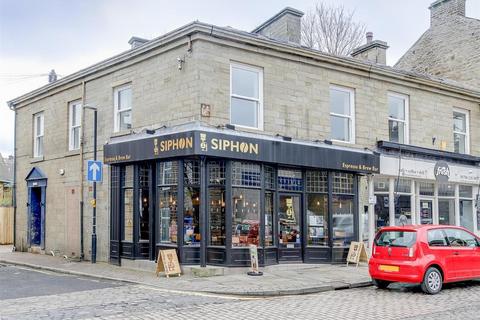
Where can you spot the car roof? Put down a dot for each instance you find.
(419, 227)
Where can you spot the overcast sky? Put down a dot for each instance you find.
(37, 36)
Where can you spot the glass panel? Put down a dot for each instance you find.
(396, 238)
(340, 102)
(246, 217)
(289, 221)
(382, 217)
(191, 234)
(191, 172)
(436, 238)
(40, 146)
(144, 207)
(465, 191)
(396, 131)
(128, 214)
(76, 138)
(125, 120)
(403, 185)
(396, 107)
(316, 181)
(217, 216)
(245, 82)
(459, 141)
(168, 173)
(167, 207)
(426, 188)
(380, 184)
(342, 183)
(446, 190)
(426, 212)
(269, 177)
(446, 211)
(403, 211)
(244, 112)
(317, 219)
(343, 231)
(340, 128)
(245, 174)
(290, 180)
(460, 238)
(128, 177)
(125, 99)
(269, 218)
(216, 172)
(459, 122)
(466, 214)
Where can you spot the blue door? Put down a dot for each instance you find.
(35, 216)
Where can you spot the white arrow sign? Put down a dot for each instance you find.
(94, 168)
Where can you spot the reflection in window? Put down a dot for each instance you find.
(403, 185)
(446, 211)
(460, 132)
(290, 180)
(289, 221)
(245, 174)
(144, 203)
(191, 205)
(446, 190)
(127, 190)
(403, 210)
(466, 214)
(343, 227)
(382, 217)
(397, 118)
(167, 207)
(217, 216)
(269, 218)
(426, 188)
(246, 217)
(342, 114)
(343, 183)
(317, 219)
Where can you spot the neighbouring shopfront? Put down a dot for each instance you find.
(211, 195)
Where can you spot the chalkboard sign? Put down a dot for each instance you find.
(167, 262)
(357, 253)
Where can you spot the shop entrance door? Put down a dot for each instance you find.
(290, 227)
(426, 211)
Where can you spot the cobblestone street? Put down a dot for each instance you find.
(113, 300)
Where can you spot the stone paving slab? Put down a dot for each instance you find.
(292, 279)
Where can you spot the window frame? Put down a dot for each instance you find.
(351, 117)
(36, 137)
(259, 100)
(71, 127)
(467, 129)
(406, 121)
(117, 112)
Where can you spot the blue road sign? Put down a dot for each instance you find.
(94, 171)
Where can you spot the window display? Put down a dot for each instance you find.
(144, 203)
(167, 207)
(246, 217)
(217, 216)
(317, 220)
(426, 212)
(127, 189)
(268, 218)
(382, 218)
(343, 231)
(289, 215)
(191, 229)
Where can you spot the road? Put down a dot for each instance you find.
(33, 294)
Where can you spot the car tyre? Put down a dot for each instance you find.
(432, 281)
(380, 284)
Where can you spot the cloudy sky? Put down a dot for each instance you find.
(37, 36)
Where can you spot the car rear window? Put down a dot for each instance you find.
(396, 239)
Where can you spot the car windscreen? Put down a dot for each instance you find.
(403, 239)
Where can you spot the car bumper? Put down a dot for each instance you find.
(409, 271)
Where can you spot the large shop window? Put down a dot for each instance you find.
(446, 203)
(316, 186)
(269, 174)
(246, 96)
(191, 202)
(342, 114)
(127, 194)
(403, 205)
(122, 100)
(167, 202)
(381, 189)
(397, 118)
(466, 207)
(343, 207)
(246, 191)
(144, 198)
(461, 141)
(216, 196)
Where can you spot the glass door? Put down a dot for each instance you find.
(426, 211)
(289, 227)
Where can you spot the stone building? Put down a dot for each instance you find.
(450, 48)
(6, 180)
(215, 139)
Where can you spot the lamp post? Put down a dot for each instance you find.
(94, 200)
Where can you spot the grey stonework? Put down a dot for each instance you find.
(284, 26)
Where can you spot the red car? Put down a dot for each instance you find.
(430, 255)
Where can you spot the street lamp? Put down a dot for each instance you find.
(94, 201)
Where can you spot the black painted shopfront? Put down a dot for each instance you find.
(211, 195)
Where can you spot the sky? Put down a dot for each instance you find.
(38, 36)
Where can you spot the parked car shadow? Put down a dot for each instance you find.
(406, 287)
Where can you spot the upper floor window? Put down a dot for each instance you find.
(123, 107)
(342, 114)
(38, 131)
(74, 125)
(461, 131)
(246, 96)
(397, 118)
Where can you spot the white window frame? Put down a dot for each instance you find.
(467, 129)
(116, 111)
(406, 99)
(36, 137)
(351, 117)
(260, 93)
(72, 127)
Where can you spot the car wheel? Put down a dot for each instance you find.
(432, 281)
(380, 284)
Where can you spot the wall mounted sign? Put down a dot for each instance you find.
(194, 143)
(441, 171)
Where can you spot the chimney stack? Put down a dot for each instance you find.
(285, 26)
(443, 10)
(52, 76)
(373, 50)
(136, 42)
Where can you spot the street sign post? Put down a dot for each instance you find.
(94, 172)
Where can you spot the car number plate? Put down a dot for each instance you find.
(387, 268)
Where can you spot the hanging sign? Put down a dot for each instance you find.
(167, 262)
(357, 253)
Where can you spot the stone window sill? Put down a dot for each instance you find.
(36, 159)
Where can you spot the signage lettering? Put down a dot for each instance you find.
(234, 146)
(175, 144)
(442, 171)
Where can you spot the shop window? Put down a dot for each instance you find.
(426, 211)
(269, 196)
(342, 218)
(342, 114)
(245, 174)
(127, 189)
(403, 210)
(317, 219)
(465, 191)
(74, 125)
(466, 214)
(216, 172)
(426, 189)
(403, 185)
(446, 211)
(289, 216)
(446, 190)
(397, 118)
(381, 184)
(382, 216)
(144, 196)
(122, 97)
(246, 217)
(191, 205)
(290, 180)
(269, 177)
(316, 181)
(168, 173)
(461, 141)
(38, 132)
(167, 207)
(246, 96)
(216, 197)
(191, 172)
(343, 183)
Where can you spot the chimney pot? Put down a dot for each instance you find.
(52, 76)
(369, 37)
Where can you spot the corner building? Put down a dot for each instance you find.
(215, 139)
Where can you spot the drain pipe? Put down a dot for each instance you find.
(82, 253)
(12, 107)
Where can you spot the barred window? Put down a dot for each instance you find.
(269, 177)
(403, 185)
(290, 180)
(216, 172)
(316, 181)
(446, 190)
(168, 173)
(245, 174)
(191, 172)
(426, 188)
(342, 183)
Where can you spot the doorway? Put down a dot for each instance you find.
(36, 217)
(426, 211)
(289, 227)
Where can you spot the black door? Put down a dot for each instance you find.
(115, 226)
(290, 227)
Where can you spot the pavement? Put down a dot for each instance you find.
(278, 280)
